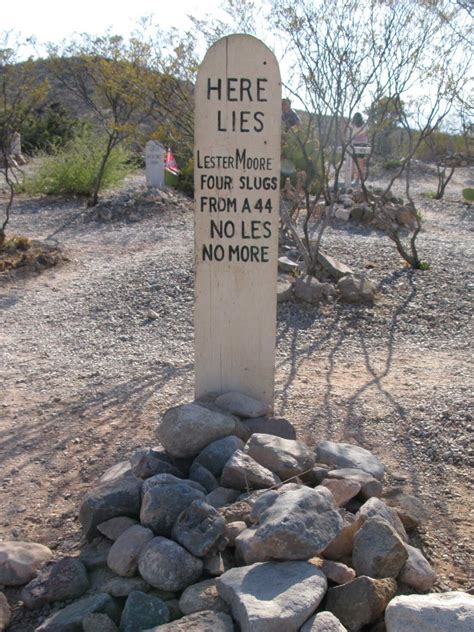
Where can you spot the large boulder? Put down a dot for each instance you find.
(216, 454)
(308, 289)
(149, 462)
(162, 505)
(361, 601)
(342, 544)
(436, 612)
(343, 455)
(242, 472)
(114, 496)
(332, 266)
(70, 618)
(185, 430)
(376, 508)
(417, 571)
(297, 525)
(5, 613)
(206, 621)
(242, 405)
(168, 566)
(411, 511)
(378, 550)
(60, 581)
(273, 596)
(342, 489)
(114, 527)
(284, 457)
(323, 622)
(202, 596)
(143, 611)
(19, 561)
(204, 477)
(369, 486)
(200, 529)
(125, 551)
(356, 288)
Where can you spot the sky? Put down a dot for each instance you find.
(54, 20)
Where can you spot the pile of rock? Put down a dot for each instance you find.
(341, 282)
(235, 524)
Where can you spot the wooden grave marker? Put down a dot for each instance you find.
(237, 196)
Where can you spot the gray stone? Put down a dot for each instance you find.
(202, 596)
(375, 507)
(345, 455)
(276, 426)
(299, 524)
(378, 550)
(273, 596)
(436, 612)
(168, 566)
(222, 496)
(243, 472)
(361, 601)
(204, 477)
(143, 611)
(119, 496)
(96, 622)
(99, 577)
(410, 510)
(200, 529)
(233, 529)
(169, 479)
(239, 510)
(284, 290)
(94, 554)
(356, 288)
(323, 622)
(70, 619)
(332, 266)
(5, 613)
(343, 490)
(369, 486)
(206, 621)
(162, 505)
(341, 545)
(417, 571)
(19, 561)
(148, 462)
(216, 454)
(285, 264)
(173, 608)
(114, 527)
(335, 571)
(343, 214)
(285, 457)
(116, 472)
(125, 551)
(216, 564)
(242, 405)
(185, 430)
(123, 586)
(59, 581)
(308, 289)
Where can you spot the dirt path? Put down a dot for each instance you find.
(86, 374)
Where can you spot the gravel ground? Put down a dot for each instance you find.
(86, 373)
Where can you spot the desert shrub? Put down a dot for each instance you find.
(47, 128)
(73, 169)
(185, 181)
(468, 195)
(392, 164)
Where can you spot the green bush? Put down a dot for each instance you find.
(48, 128)
(392, 164)
(72, 169)
(468, 195)
(185, 181)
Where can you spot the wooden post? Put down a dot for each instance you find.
(237, 193)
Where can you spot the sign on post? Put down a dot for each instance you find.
(236, 179)
(154, 164)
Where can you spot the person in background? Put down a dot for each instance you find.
(288, 116)
(359, 137)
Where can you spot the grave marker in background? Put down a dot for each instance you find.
(237, 183)
(155, 164)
